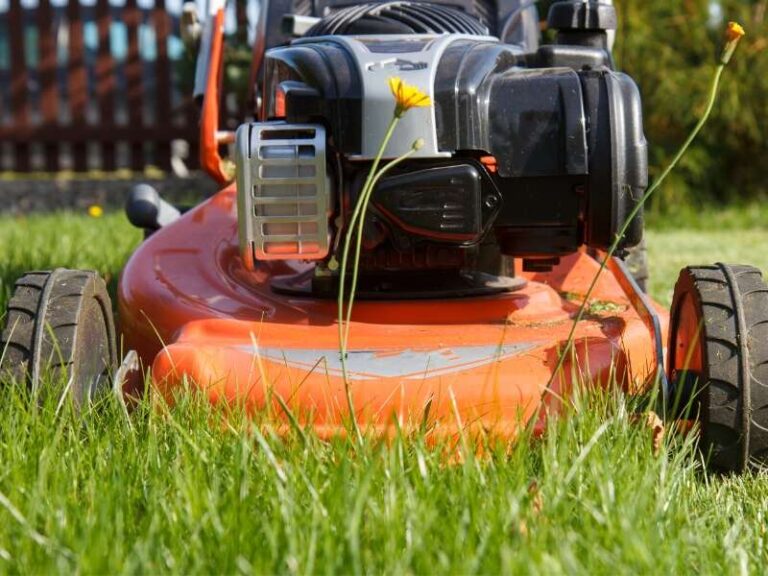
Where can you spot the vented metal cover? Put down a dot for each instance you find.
(283, 191)
(398, 17)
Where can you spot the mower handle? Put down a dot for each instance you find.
(208, 75)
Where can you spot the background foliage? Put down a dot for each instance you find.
(670, 48)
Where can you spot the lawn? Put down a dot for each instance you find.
(731, 235)
(188, 492)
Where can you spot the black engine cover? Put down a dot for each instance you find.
(569, 158)
(452, 204)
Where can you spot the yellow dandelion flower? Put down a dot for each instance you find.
(95, 211)
(407, 96)
(733, 33)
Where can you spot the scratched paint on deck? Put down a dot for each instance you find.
(408, 364)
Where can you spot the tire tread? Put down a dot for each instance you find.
(42, 321)
(726, 392)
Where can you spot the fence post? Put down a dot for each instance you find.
(78, 83)
(105, 85)
(88, 83)
(19, 83)
(162, 80)
(134, 87)
(47, 65)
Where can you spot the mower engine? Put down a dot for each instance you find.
(527, 154)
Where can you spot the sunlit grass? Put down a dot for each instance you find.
(671, 250)
(188, 491)
(44, 242)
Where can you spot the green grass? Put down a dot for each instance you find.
(671, 250)
(188, 491)
(43, 242)
(735, 235)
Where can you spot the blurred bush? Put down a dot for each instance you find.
(670, 47)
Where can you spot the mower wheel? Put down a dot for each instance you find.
(60, 323)
(718, 362)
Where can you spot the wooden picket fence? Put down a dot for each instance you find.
(66, 103)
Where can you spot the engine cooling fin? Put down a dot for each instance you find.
(398, 18)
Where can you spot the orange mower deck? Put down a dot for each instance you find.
(194, 314)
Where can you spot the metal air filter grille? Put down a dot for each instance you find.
(283, 197)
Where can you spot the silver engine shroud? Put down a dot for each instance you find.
(561, 116)
(283, 191)
(414, 59)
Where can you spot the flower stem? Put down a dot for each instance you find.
(364, 199)
(633, 214)
(343, 272)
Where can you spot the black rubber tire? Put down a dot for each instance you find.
(727, 307)
(59, 327)
(637, 263)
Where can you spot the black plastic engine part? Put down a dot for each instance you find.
(575, 57)
(558, 131)
(618, 163)
(539, 264)
(492, 14)
(146, 209)
(412, 285)
(517, 20)
(568, 145)
(581, 15)
(580, 23)
(451, 204)
(398, 17)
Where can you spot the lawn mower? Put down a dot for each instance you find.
(477, 250)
